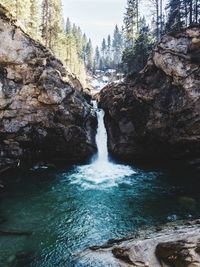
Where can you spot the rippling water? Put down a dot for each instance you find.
(68, 211)
(72, 209)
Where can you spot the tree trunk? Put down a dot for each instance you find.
(186, 14)
(157, 21)
(17, 9)
(137, 15)
(179, 15)
(196, 11)
(191, 12)
(161, 17)
(46, 22)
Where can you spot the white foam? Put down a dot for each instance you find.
(101, 171)
(100, 174)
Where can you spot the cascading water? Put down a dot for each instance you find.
(101, 138)
(101, 171)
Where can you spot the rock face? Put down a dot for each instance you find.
(174, 247)
(157, 114)
(43, 114)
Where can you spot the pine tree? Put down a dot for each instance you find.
(84, 42)
(176, 10)
(52, 25)
(96, 60)
(35, 20)
(111, 52)
(68, 29)
(27, 12)
(103, 47)
(103, 51)
(157, 19)
(117, 46)
(66, 42)
(108, 52)
(75, 55)
(9, 5)
(131, 21)
(196, 11)
(135, 58)
(20, 9)
(109, 42)
(182, 13)
(89, 55)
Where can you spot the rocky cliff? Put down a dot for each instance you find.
(171, 247)
(43, 114)
(157, 114)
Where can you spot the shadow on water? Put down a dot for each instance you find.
(174, 172)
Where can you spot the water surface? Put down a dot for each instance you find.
(67, 213)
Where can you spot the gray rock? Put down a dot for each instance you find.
(171, 247)
(156, 115)
(44, 115)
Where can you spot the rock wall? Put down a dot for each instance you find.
(157, 114)
(43, 114)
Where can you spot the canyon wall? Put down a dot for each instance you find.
(156, 115)
(43, 112)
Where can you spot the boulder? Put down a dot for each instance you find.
(156, 115)
(170, 247)
(43, 113)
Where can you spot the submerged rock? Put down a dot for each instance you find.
(171, 247)
(43, 113)
(157, 115)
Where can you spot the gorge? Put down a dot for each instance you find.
(66, 194)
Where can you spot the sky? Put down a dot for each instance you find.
(97, 18)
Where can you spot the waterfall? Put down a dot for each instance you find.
(101, 138)
(101, 171)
